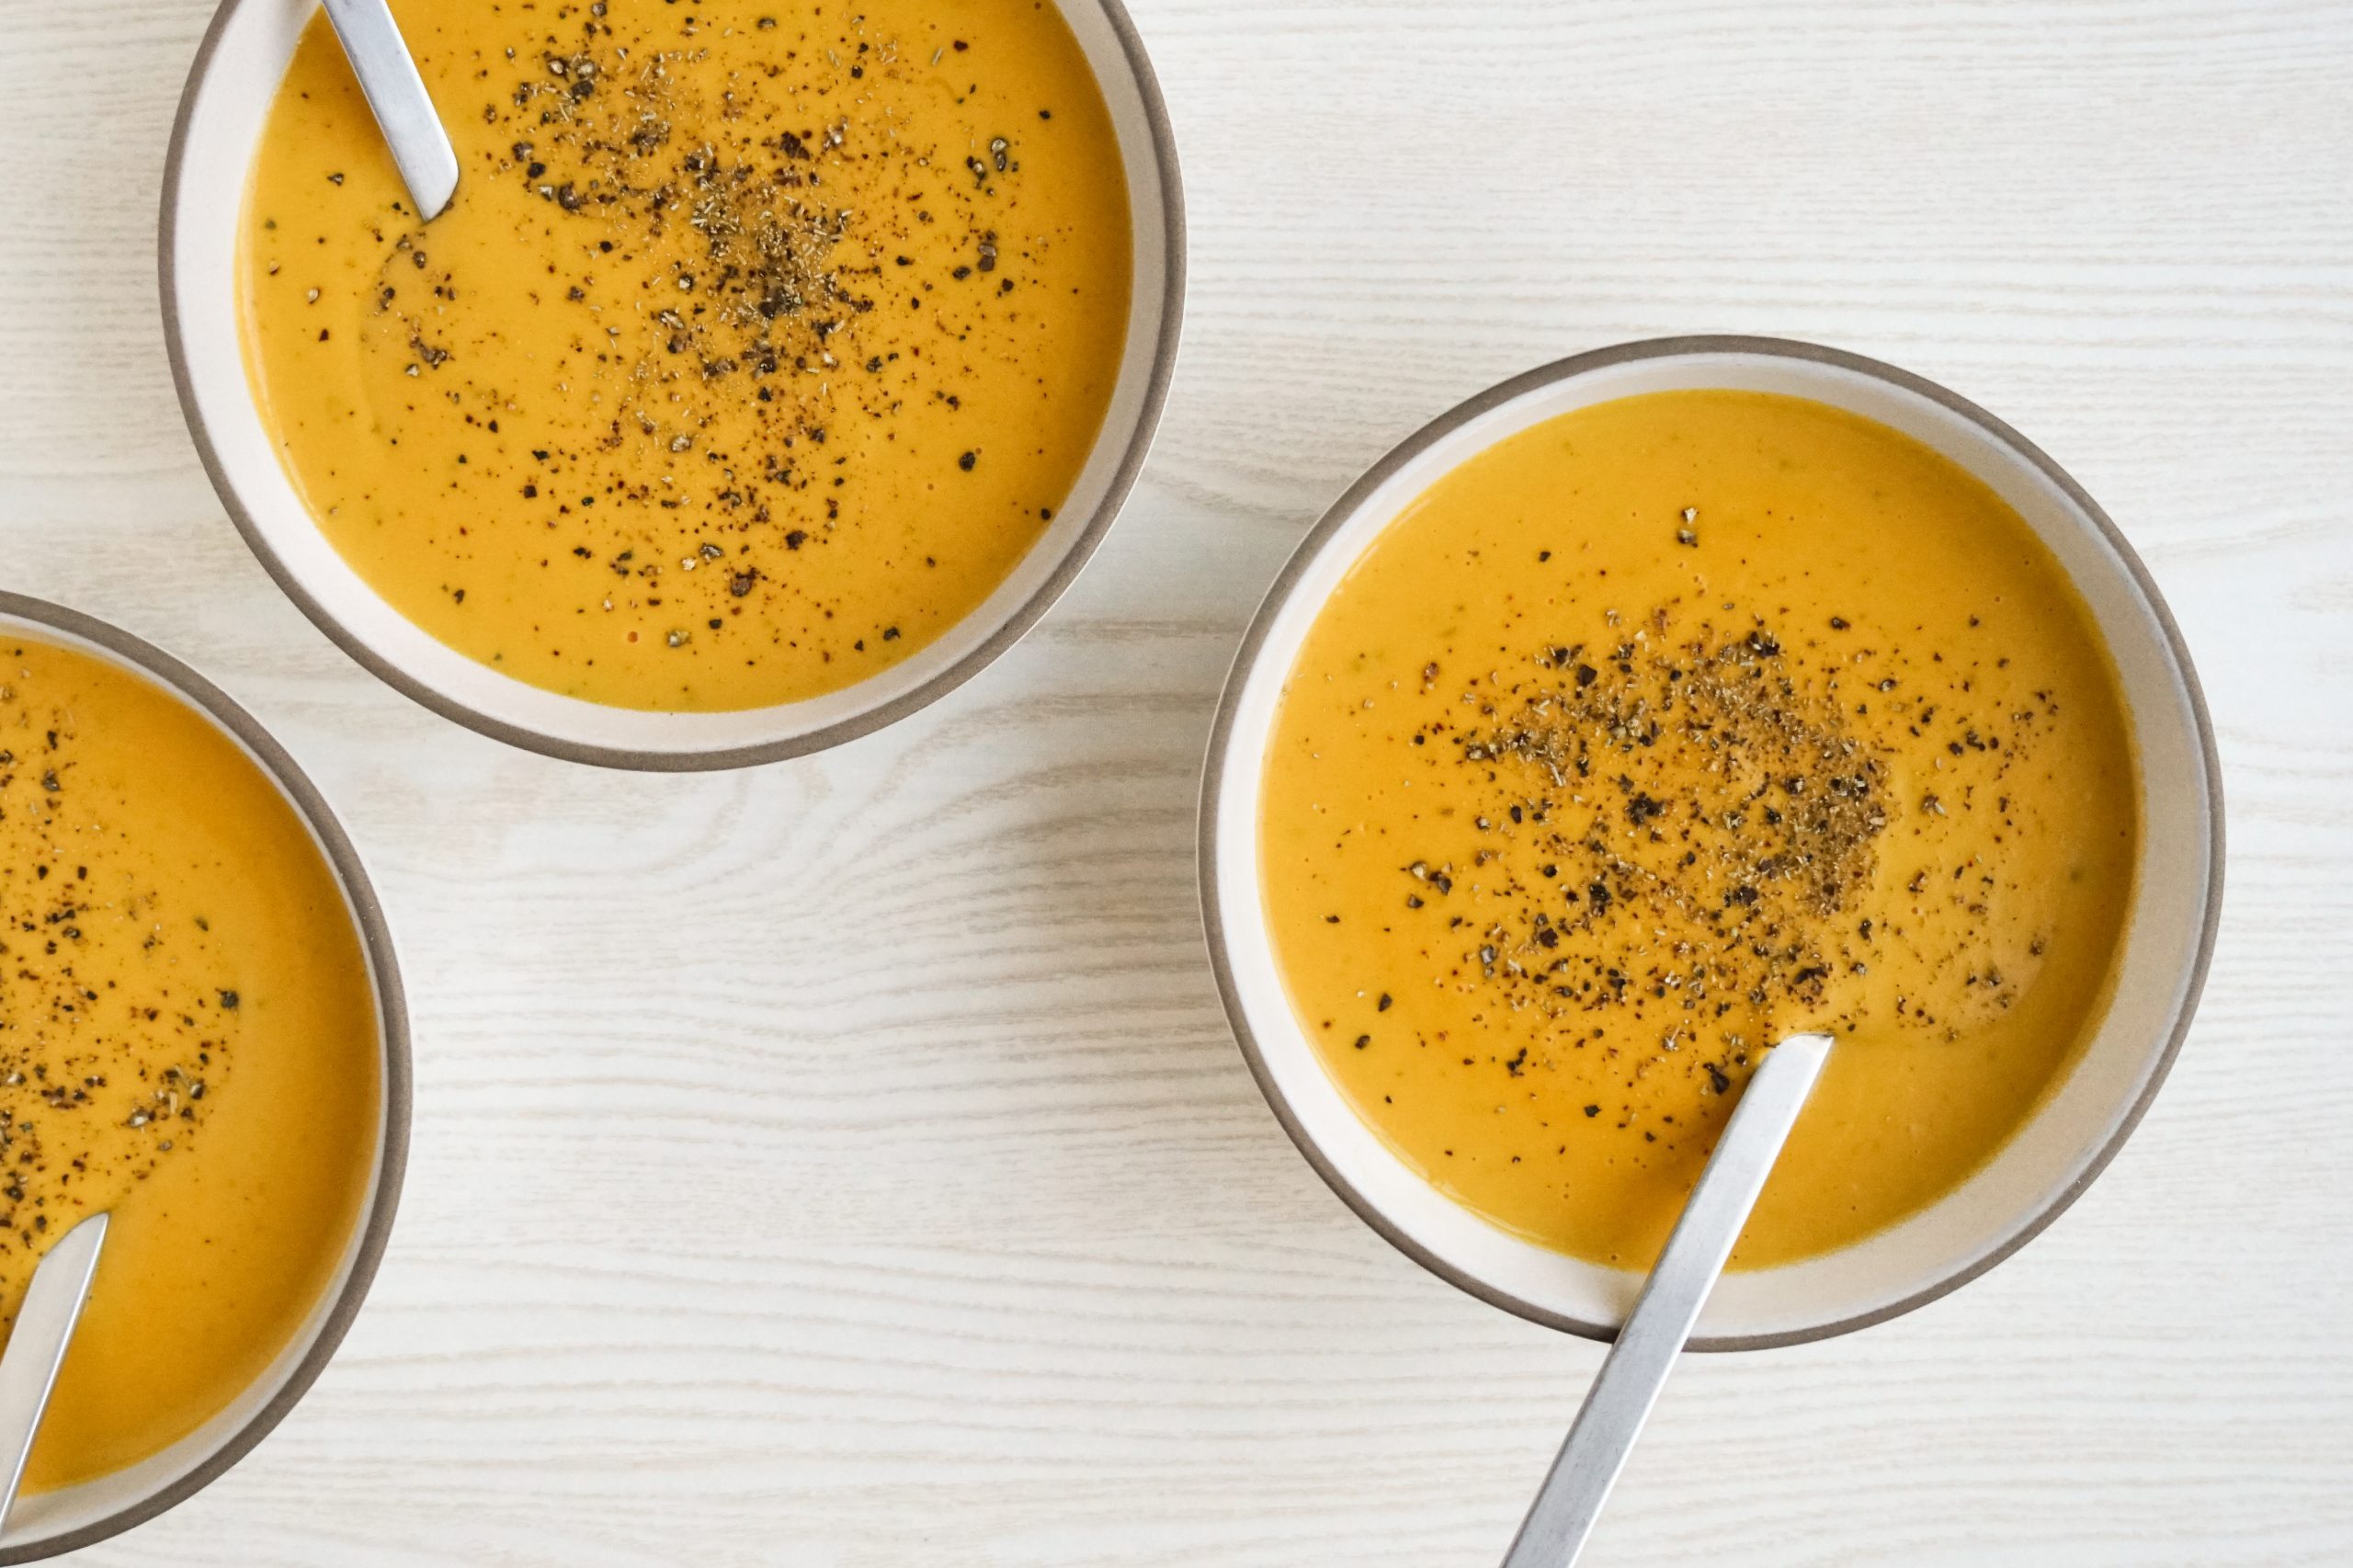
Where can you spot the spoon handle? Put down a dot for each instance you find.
(44, 1327)
(396, 93)
(1635, 1369)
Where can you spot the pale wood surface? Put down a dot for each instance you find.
(847, 1162)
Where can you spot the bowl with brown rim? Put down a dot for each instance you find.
(46, 1524)
(223, 113)
(2078, 1126)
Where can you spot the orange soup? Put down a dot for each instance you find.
(759, 344)
(188, 1042)
(1663, 730)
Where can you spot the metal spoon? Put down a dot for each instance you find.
(428, 164)
(36, 1345)
(1621, 1399)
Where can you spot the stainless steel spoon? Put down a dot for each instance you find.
(36, 1345)
(1621, 1399)
(428, 164)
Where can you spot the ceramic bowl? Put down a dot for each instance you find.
(222, 114)
(2079, 1126)
(48, 1523)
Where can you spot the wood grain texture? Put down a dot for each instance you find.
(847, 1162)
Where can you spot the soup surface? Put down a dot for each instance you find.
(1663, 730)
(188, 1041)
(760, 342)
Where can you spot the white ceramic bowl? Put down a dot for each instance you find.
(53, 1522)
(2078, 1128)
(222, 113)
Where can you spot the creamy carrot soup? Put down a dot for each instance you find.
(1668, 728)
(760, 342)
(188, 1042)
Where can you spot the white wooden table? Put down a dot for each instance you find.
(847, 1162)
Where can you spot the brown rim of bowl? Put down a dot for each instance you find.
(1025, 616)
(392, 1010)
(1286, 581)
